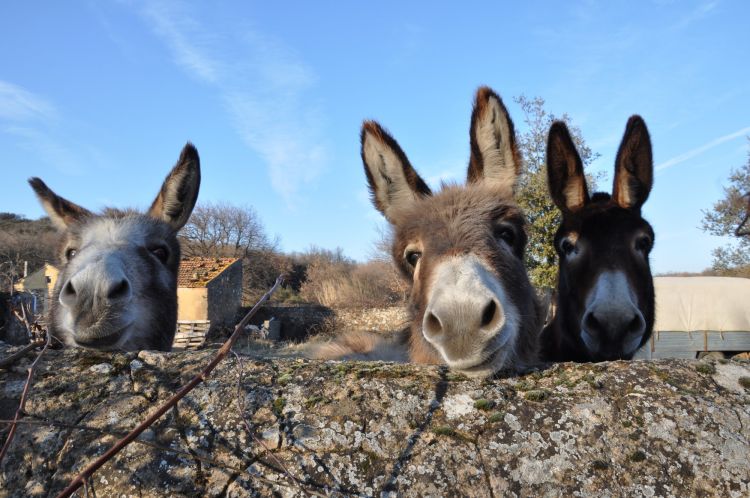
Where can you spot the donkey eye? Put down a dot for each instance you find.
(643, 243)
(70, 253)
(161, 253)
(506, 234)
(412, 257)
(567, 246)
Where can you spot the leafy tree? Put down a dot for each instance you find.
(533, 196)
(724, 218)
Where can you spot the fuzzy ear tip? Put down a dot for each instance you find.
(189, 153)
(558, 127)
(37, 184)
(370, 126)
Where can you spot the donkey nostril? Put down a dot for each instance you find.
(432, 325)
(488, 315)
(68, 295)
(119, 290)
(635, 325)
(592, 324)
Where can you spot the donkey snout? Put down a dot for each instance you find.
(448, 317)
(87, 291)
(618, 330)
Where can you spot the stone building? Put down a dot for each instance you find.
(39, 283)
(209, 289)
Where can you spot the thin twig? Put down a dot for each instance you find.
(166, 449)
(22, 403)
(11, 358)
(201, 377)
(740, 231)
(241, 409)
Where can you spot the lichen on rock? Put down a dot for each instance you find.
(657, 428)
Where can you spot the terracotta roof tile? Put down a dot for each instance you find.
(198, 272)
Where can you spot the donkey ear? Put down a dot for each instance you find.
(634, 166)
(494, 154)
(179, 192)
(393, 182)
(62, 212)
(567, 183)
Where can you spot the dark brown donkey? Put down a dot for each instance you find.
(605, 293)
(461, 248)
(117, 288)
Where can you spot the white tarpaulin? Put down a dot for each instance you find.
(697, 304)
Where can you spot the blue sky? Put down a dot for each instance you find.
(98, 98)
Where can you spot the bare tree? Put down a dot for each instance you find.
(223, 230)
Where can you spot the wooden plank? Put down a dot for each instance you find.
(190, 334)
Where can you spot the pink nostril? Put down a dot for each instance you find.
(432, 325)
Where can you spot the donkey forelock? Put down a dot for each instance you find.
(117, 288)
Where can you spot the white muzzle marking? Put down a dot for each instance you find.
(469, 318)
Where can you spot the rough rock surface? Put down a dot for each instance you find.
(659, 428)
(389, 319)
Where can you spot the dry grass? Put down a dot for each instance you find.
(344, 284)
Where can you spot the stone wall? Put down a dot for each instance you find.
(658, 428)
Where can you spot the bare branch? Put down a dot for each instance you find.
(166, 449)
(24, 395)
(12, 358)
(201, 377)
(743, 229)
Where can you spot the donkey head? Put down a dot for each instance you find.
(605, 289)
(117, 287)
(462, 248)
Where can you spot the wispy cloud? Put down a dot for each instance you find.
(37, 126)
(700, 150)
(264, 86)
(696, 14)
(19, 104)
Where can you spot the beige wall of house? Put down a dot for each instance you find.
(40, 283)
(42, 279)
(192, 303)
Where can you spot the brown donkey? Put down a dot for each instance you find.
(605, 293)
(462, 248)
(117, 289)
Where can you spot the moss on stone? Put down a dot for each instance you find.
(705, 368)
(455, 377)
(278, 406)
(496, 417)
(314, 400)
(484, 404)
(537, 394)
(444, 430)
